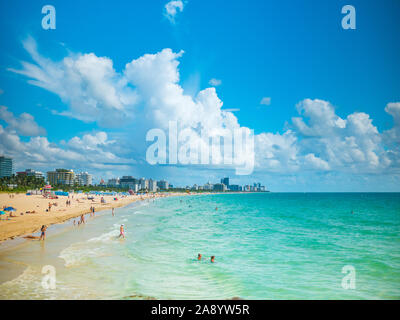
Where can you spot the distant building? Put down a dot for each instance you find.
(235, 187)
(84, 179)
(219, 187)
(128, 182)
(208, 186)
(31, 173)
(195, 187)
(6, 167)
(114, 182)
(152, 185)
(163, 185)
(143, 184)
(61, 176)
(225, 181)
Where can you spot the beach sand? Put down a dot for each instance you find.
(23, 225)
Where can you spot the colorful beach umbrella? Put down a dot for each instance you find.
(9, 209)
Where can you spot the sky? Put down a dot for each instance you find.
(320, 103)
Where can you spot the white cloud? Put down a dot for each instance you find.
(172, 8)
(315, 162)
(266, 101)
(214, 82)
(88, 152)
(147, 94)
(353, 143)
(89, 85)
(24, 125)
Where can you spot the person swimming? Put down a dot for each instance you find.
(199, 256)
(212, 259)
(121, 232)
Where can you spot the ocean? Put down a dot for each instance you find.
(266, 246)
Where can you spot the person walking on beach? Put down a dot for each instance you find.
(82, 219)
(43, 234)
(112, 211)
(49, 206)
(121, 232)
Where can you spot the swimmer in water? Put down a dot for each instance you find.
(199, 256)
(212, 259)
(121, 232)
(216, 208)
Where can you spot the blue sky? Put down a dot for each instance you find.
(288, 51)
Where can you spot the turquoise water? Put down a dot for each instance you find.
(267, 246)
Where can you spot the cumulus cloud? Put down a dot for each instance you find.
(353, 142)
(172, 8)
(214, 82)
(266, 101)
(88, 84)
(90, 151)
(24, 125)
(317, 139)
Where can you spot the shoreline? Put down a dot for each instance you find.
(20, 226)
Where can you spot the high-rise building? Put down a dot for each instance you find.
(152, 185)
(61, 176)
(114, 182)
(143, 184)
(225, 181)
(208, 186)
(163, 184)
(84, 179)
(6, 167)
(31, 173)
(128, 182)
(220, 187)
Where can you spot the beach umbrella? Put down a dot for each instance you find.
(9, 209)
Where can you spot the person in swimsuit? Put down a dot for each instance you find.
(82, 219)
(121, 232)
(212, 259)
(199, 256)
(43, 234)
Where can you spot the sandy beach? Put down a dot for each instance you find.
(22, 225)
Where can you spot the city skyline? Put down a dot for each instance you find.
(323, 119)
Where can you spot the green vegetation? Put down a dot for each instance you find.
(21, 183)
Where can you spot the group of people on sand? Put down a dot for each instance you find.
(68, 203)
(200, 257)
